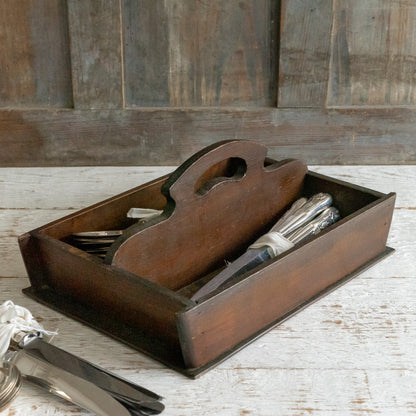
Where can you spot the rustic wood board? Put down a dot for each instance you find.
(170, 136)
(35, 63)
(351, 353)
(347, 53)
(184, 53)
(95, 34)
(122, 82)
(304, 53)
(373, 53)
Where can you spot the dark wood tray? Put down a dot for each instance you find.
(214, 205)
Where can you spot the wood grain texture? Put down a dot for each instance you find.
(351, 353)
(373, 59)
(169, 136)
(192, 53)
(83, 186)
(304, 53)
(146, 57)
(222, 53)
(96, 55)
(34, 57)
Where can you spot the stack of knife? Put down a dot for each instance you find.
(79, 381)
(95, 242)
(98, 242)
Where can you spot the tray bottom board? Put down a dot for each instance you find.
(139, 341)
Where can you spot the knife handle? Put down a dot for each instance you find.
(306, 212)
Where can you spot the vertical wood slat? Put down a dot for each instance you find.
(96, 53)
(304, 53)
(34, 54)
(221, 52)
(198, 53)
(374, 53)
(146, 60)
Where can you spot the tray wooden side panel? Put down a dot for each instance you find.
(216, 325)
(80, 277)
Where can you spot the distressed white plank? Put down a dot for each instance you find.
(14, 222)
(366, 324)
(42, 187)
(69, 187)
(399, 179)
(31, 197)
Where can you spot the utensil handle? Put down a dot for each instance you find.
(66, 385)
(121, 389)
(315, 205)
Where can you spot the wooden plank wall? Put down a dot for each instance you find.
(378, 69)
(141, 82)
(352, 53)
(97, 70)
(35, 66)
(305, 53)
(199, 53)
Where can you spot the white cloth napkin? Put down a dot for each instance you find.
(13, 319)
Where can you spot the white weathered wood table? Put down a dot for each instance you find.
(351, 353)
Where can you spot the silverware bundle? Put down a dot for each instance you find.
(305, 218)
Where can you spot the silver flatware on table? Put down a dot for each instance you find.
(66, 385)
(136, 399)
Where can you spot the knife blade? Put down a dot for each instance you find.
(66, 385)
(121, 389)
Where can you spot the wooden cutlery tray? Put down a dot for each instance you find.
(214, 205)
